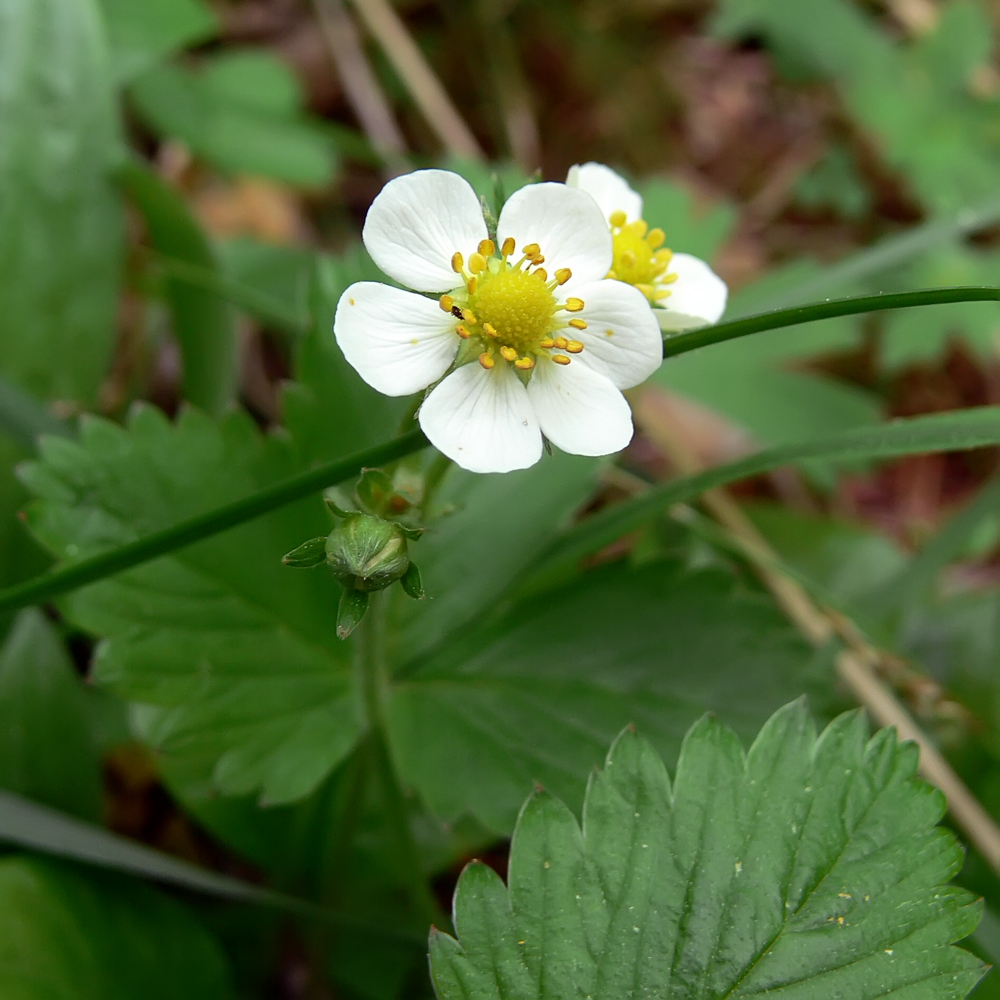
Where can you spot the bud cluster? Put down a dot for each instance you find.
(367, 550)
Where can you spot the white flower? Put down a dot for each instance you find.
(525, 354)
(684, 290)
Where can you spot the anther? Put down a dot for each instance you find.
(542, 274)
(611, 275)
(489, 330)
(469, 316)
(578, 324)
(561, 343)
(487, 247)
(508, 246)
(525, 364)
(655, 238)
(641, 226)
(617, 218)
(477, 263)
(486, 361)
(669, 279)
(447, 303)
(574, 347)
(508, 353)
(574, 305)
(532, 249)
(560, 359)
(546, 343)
(538, 259)
(563, 275)
(472, 285)
(628, 258)
(457, 262)
(462, 332)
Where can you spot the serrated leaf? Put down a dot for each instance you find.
(61, 225)
(80, 936)
(539, 693)
(46, 748)
(805, 869)
(234, 655)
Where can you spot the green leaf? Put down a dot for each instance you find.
(77, 936)
(61, 226)
(46, 749)
(275, 709)
(806, 869)
(241, 113)
(202, 322)
(142, 34)
(538, 694)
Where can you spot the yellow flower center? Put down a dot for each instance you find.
(510, 312)
(640, 258)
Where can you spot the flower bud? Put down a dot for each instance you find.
(367, 553)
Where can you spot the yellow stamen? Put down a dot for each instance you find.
(617, 218)
(457, 262)
(669, 279)
(563, 275)
(578, 324)
(561, 343)
(628, 258)
(663, 255)
(446, 302)
(489, 330)
(508, 246)
(546, 343)
(612, 275)
(532, 249)
(560, 359)
(477, 263)
(472, 285)
(574, 347)
(538, 259)
(508, 353)
(656, 237)
(542, 273)
(469, 316)
(661, 293)
(574, 305)
(641, 226)
(487, 248)
(462, 332)
(525, 364)
(486, 361)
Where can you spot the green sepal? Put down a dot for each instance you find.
(375, 491)
(410, 581)
(353, 605)
(308, 554)
(413, 534)
(334, 509)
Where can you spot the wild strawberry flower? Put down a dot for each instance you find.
(684, 291)
(521, 350)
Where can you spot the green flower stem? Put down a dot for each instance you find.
(60, 581)
(373, 677)
(776, 319)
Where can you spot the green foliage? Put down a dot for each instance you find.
(47, 751)
(60, 218)
(74, 935)
(806, 867)
(241, 111)
(141, 34)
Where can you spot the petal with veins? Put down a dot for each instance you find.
(397, 341)
(482, 420)
(697, 297)
(579, 410)
(565, 223)
(610, 190)
(622, 341)
(416, 224)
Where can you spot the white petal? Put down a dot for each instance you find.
(416, 224)
(398, 342)
(610, 190)
(565, 223)
(579, 410)
(482, 420)
(697, 298)
(622, 341)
